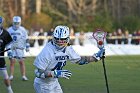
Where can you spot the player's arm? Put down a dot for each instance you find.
(27, 45)
(96, 57)
(27, 40)
(55, 74)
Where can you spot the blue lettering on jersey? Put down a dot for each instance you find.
(15, 34)
(58, 58)
(15, 38)
(61, 62)
(59, 66)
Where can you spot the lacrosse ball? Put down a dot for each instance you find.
(100, 42)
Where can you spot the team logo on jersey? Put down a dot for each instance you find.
(15, 34)
(58, 58)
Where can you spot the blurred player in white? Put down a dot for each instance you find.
(20, 41)
(5, 39)
(53, 58)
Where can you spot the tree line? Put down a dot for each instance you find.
(84, 15)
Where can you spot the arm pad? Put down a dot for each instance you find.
(40, 73)
(83, 61)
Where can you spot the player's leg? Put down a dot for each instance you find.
(37, 87)
(58, 88)
(7, 81)
(12, 66)
(4, 74)
(22, 69)
(47, 88)
(20, 57)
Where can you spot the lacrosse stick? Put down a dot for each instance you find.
(99, 36)
(5, 50)
(14, 46)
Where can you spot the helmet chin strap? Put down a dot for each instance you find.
(15, 28)
(60, 48)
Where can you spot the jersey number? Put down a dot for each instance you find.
(15, 38)
(59, 66)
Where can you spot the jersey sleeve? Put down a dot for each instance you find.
(25, 34)
(42, 61)
(8, 37)
(8, 45)
(73, 56)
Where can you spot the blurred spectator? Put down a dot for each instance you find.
(126, 36)
(134, 38)
(109, 39)
(120, 36)
(72, 36)
(49, 35)
(40, 40)
(81, 38)
(31, 41)
(138, 37)
(114, 40)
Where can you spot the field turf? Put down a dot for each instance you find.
(123, 76)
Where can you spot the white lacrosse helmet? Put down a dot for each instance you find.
(16, 21)
(61, 36)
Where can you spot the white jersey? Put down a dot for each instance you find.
(51, 59)
(19, 36)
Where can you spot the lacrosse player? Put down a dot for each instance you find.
(53, 58)
(5, 39)
(20, 41)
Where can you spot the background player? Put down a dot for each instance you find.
(20, 40)
(5, 39)
(53, 58)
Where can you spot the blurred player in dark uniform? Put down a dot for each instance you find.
(5, 39)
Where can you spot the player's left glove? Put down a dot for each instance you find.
(61, 73)
(100, 54)
(27, 47)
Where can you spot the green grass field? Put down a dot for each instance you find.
(123, 76)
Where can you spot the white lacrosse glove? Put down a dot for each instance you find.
(61, 73)
(100, 54)
(27, 47)
(9, 53)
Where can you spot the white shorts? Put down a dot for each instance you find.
(18, 53)
(47, 88)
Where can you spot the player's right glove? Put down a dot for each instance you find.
(27, 47)
(9, 53)
(61, 73)
(13, 46)
(100, 54)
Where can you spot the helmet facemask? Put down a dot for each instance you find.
(16, 22)
(61, 37)
(61, 42)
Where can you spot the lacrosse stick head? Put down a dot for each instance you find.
(99, 35)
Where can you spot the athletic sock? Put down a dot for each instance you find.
(9, 89)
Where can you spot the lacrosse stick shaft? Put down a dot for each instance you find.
(99, 36)
(106, 80)
(5, 50)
